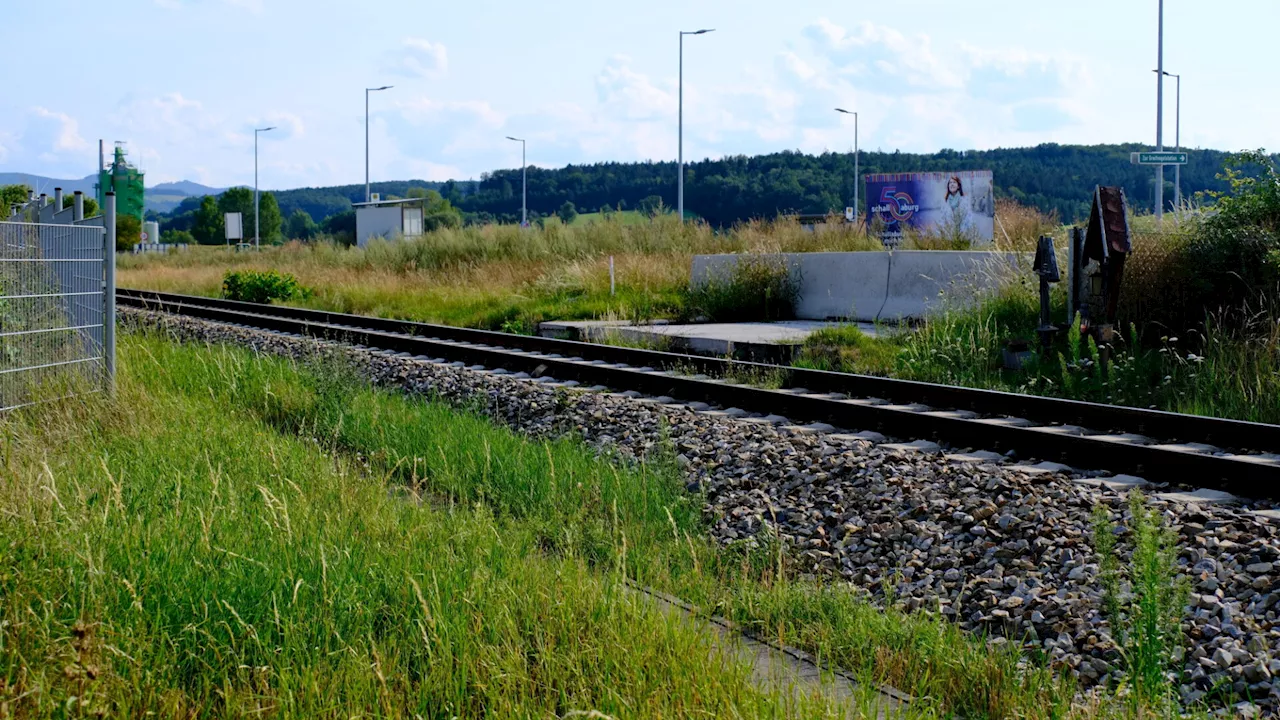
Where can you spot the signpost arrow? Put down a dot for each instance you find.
(1158, 158)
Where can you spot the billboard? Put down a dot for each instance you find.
(946, 203)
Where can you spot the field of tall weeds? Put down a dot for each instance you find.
(503, 276)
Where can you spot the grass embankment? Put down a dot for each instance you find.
(496, 277)
(1229, 370)
(240, 535)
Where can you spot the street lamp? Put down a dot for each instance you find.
(367, 196)
(1160, 113)
(524, 184)
(257, 229)
(1177, 137)
(857, 176)
(680, 171)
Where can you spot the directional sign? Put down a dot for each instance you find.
(1158, 158)
(233, 226)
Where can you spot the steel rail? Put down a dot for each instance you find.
(1240, 474)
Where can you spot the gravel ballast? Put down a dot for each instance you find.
(1001, 549)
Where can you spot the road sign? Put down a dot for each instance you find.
(144, 236)
(233, 226)
(1158, 158)
(848, 214)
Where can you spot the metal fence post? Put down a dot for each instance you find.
(109, 291)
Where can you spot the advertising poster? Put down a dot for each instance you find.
(950, 204)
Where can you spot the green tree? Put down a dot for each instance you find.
(207, 225)
(272, 220)
(177, 237)
(567, 212)
(300, 226)
(90, 204)
(239, 200)
(10, 194)
(128, 232)
(651, 205)
(342, 227)
(437, 211)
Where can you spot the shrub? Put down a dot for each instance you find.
(760, 287)
(177, 237)
(128, 232)
(1145, 621)
(258, 286)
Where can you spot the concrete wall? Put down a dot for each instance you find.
(374, 222)
(886, 286)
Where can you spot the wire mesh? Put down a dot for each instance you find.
(51, 312)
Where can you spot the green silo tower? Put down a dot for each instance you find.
(124, 180)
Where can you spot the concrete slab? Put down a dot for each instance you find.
(926, 446)
(923, 281)
(1203, 495)
(781, 668)
(1119, 483)
(771, 341)
(870, 286)
(977, 456)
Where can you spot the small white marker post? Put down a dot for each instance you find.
(611, 284)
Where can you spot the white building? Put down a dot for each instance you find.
(388, 219)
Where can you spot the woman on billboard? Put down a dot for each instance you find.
(958, 208)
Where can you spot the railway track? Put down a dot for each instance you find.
(1240, 458)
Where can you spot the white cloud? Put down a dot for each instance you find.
(435, 172)
(915, 96)
(626, 93)
(253, 6)
(287, 125)
(66, 135)
(465, 112)
(910, 60)
(420, 58)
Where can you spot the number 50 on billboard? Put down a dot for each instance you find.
(949, 204)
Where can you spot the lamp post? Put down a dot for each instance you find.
(857, 177)
(366, 137)
(1177, 136)
(680, 161)
(524, 184)
(1160, 113)
(257, 228)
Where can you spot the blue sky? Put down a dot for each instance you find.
(596, 81)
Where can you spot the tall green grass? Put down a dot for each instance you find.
(239, 534)
(179, 552)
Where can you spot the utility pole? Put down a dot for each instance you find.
(366, 137)
(857, 176)
(680, 123)
(257, 228)
(524, 184)
(1160, 113)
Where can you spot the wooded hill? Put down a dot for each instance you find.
(1053, 178)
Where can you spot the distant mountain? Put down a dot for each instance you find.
(45, 185)
(186, 188)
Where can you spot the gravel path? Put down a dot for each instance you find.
(1001, 549)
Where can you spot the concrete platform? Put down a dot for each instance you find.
(763, 342)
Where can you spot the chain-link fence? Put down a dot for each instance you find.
(54, 298)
